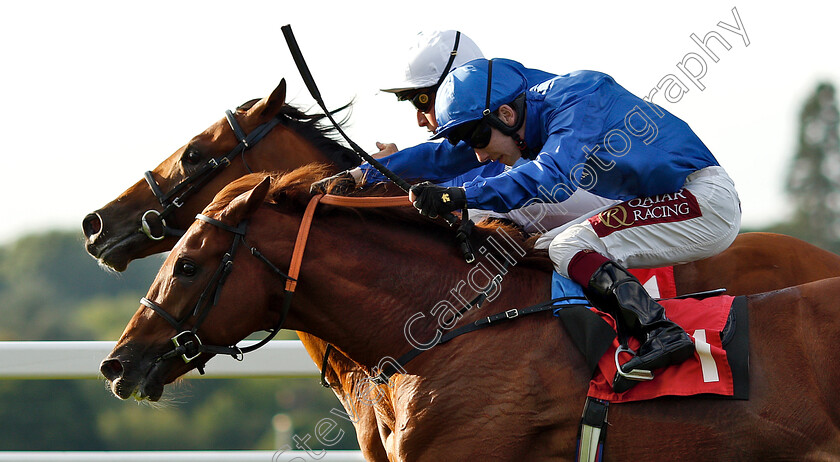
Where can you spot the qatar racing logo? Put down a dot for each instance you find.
(664, 208)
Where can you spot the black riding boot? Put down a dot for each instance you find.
(615, 290)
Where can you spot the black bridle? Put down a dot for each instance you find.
(177, 195)
(186, 341)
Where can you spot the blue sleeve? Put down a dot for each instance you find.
(487, 170)
(570, 126)
(546, 177)
(435, 162)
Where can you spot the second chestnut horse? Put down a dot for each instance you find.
(365, 274)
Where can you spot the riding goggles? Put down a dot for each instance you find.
(422, 100)
(476, 134)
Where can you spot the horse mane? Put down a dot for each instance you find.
(324, 136)
(291, 191)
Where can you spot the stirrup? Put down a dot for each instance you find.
(638, 375)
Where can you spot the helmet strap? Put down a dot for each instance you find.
(449, 63)
(518, 105)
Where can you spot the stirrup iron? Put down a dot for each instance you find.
(639, 375)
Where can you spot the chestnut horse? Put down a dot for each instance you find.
(113, 233)
(114, 236)
(283, 138)
(392, 265)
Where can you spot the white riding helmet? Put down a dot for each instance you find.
(429, 56)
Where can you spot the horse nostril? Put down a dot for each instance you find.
(92, 225)
(112, 369)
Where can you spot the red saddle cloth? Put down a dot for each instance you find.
(659, 282)
(707, 372)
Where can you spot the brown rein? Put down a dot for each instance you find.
(303, 234)
(309, 215)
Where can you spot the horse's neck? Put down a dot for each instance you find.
(375, 293)
(286, 149)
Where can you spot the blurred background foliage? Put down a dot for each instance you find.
(50, 289)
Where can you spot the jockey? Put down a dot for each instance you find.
(584, 131)
(430, 59)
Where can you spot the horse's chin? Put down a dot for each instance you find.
(149, 391)
(112, 266)
(115, 255)
(149, 388)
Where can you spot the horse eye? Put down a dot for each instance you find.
(185, 268)
(191, 156)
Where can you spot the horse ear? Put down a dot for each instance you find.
(271, 105)
(245, 204)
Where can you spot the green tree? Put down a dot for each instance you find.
(814, 178)
(46, 415)
(47, 279)
(50, 289)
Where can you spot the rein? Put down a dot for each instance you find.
(187, 344)
(177, 195)
(466, 225)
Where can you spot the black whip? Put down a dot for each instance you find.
(297, 55)
(313, 90)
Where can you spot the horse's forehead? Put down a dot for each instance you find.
(211, 137)
(221, 131)
(213, 133)
(204, 240)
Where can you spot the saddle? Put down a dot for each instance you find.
(718, 325)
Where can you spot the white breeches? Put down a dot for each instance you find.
(697, 222)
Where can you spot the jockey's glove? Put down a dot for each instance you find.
(433, 200)
(339, 184)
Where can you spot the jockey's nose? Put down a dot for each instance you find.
(481, 155)
(426, 119)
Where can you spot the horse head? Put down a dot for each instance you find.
(261, 135)
(179, 323)
(211, 292)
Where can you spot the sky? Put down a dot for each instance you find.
(94, 93)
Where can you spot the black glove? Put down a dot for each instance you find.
(433, 200)
(341, 183)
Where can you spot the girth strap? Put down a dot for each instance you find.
(593, 430)
(324, 363)
(389, 370)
